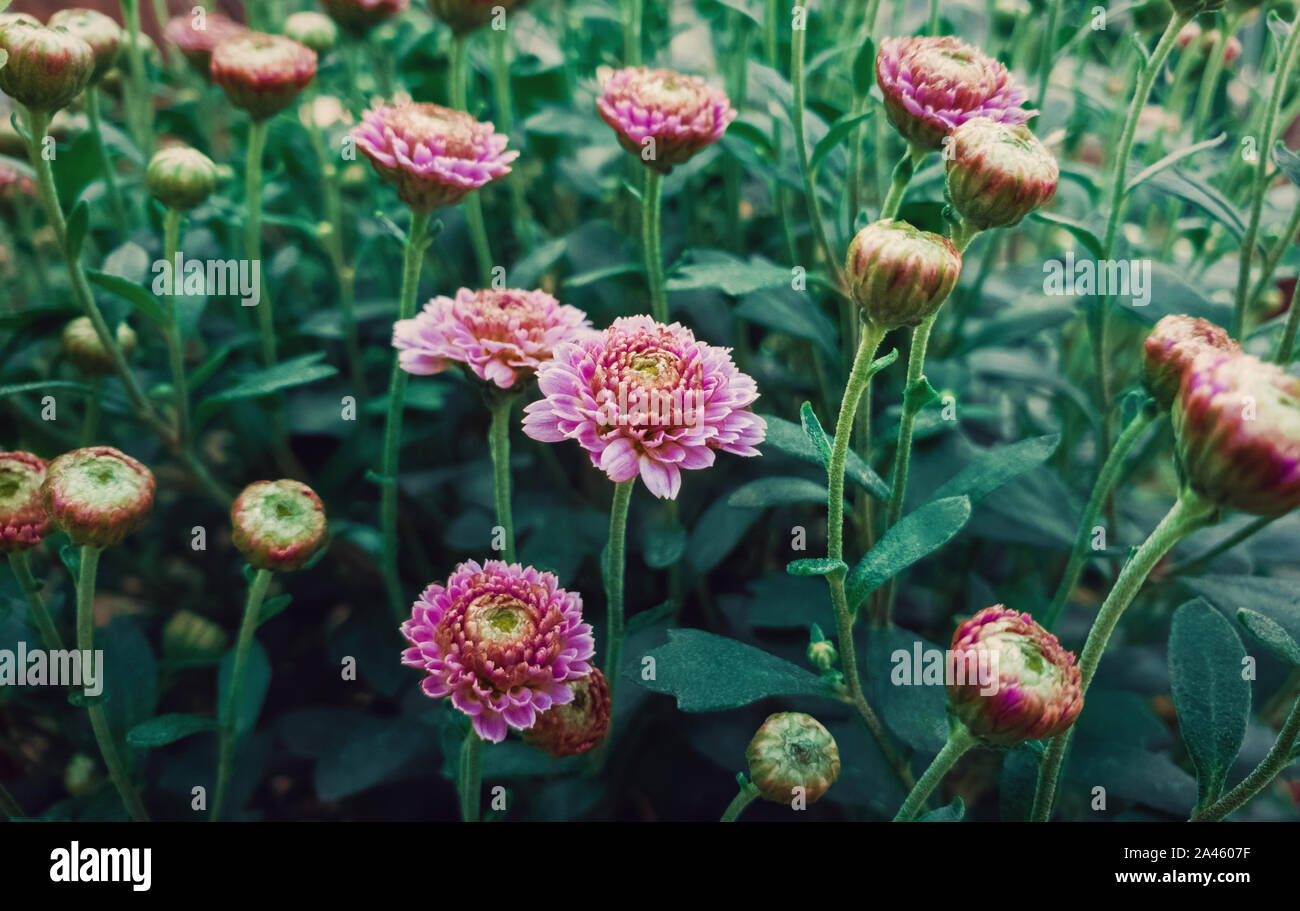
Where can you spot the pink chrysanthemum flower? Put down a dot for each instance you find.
(433, 155)
(933, 85)
(644, 398)
(502, 336)
(663, 117)
(503, 641)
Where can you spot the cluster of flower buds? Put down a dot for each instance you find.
(793, 755)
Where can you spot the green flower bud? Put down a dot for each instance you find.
(278, 525)
(47, 67)
(823, 655)
(83, 349)
(181, 178)
(315, 30)
(188, 636)
(104, 36)
(998, 173)
(899, 274)
(97, 495)
(792, 750)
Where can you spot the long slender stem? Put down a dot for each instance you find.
(1048, 49)
(1106, 478)
(632, 32)
(615, 571)
(20, 562)
(175, 348)
(903, 172)
(105, 162)
(139, 118)
(651, 239)
(257, 131)
(89, 564)
(229, 711)
(744, 797)
(1195, 564)
(959, 742)
(1210, 77)
(1280, 755)
(499, 447)
(1281, 79)
(505, 118)
(1189, 513)
(411, 261)
(469, 778)
(797, 42)
(1272, 257)
(473, 204)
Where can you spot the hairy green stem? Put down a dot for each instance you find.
(20, 563)
(1279, 757)
(92, 96)
(229, 709)
(634, 14)
(903, 172)
(469, 777)
(137, 98)
(1048, 48)
(960, 740)
(651, 240)
(748, 794)
(257, 131)
(473, 204)
(499, 447)
(615, 571)
(175, 346)
(1213, 69)
(798, 40)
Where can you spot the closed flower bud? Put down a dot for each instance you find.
(360, 16)
(278, 525)
(103, 35)
(899, 274)
(97, 495)
(262, 74)
(181, 178)
(792, 750)
(1237, 432)
(314, 30)
(22, 515)
(47, 67)
(188, 636)
(464, 16)
(998, 173)
(823, 655)
(82, 347)
(1173, 346)
(196, 38)
(7, 19)
(1012, 681)
(577, 726)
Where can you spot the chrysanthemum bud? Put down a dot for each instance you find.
(188, 636)
(899, 274)
(793, 750)
(180, 177)
(1237, 433)
(278, 525)
(1173, 346)
(197, 38)
(97, 495)
(464, 16)
(823, 655)
(662, 117)
(22, 515)
(47, 67)
(360, 16)
(104, 36)
(82, 347)
(998, 173)
(262, 74)
(314, 30)
(577, 726)
(1013, 681)
(7, 19)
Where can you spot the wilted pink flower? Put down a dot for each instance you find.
(1237, 431)
(433, 155)
(503, 641)
(196, 39)
(262, 74)
(646, 398)
(663, 117)
(502, 336)
(360, 16)
(932, 85)
(1174, 344)
(1034, 690)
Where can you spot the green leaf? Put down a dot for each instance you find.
(995, 467)
(165, 729)
(789, 438)
(1277, 599)
(953, 812)
(1210, 695)
(781, 491)
(295, 372)
(864, 68)
(709, 673)
(716, 533)
(1271, 634)
(141, 300)
(751, 134)
(1172, 158)
(1201, 194)
(257, 679)
(1080, 231)
(665, 543)
(815, 566)
(273, 606)
(729, 274)
(597, 275)
(794, 314)
(834, 136)
(78, 222)
(917, 535)
(918, 395)
(1288, 162)
(813, 428)
(42, 385)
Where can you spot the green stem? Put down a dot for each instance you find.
(105, 162)
(1195, 564)
(411, 261)
(960, 740)
(473, 204)
(632, 33)
(1188, 514)
(903, 172)
(1106, 479)
(351, 53)
(257, 131)
(175, 345)
(615, 570)
(1210, 77)
(506, 124)
(139, 94)
(1280, 81)
(229, 710)
(1049, 47)
(650, 236)
(797, 42)
(1280, 755)
(747, 795)
(20, 562)
(90, 424)
(89, 563)
(499, 446)
(1272, 257)
(469, 778)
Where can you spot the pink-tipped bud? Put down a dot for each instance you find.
(97, 495)
(47, 67)
(793, 755)
(662, 117)
(1012, 680)
(464, 16)
(360, 16)
(104, 36)
(998, 173)
(1173, 345)
(22, 515)
(899, 274)
(575, 727)
(262, 74)
(196, 37)
(278, 525)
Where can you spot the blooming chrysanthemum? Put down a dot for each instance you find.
(646, 398)
(502, 640)
(1237, 428)
(360, 16)
(663, 117)
(196, 39)
(578, 726)
(1032, 688)
(433, 155)
(22, 515)
(934, 84)
(502, 336)
(1173, 345)
(262, 74)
